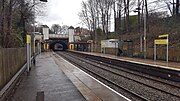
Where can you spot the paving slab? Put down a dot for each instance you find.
(48, 80)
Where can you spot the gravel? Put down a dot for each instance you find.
(138, 84)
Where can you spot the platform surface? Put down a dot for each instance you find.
(59, 80)
(46, 77)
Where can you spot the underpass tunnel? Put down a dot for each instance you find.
(59, 45)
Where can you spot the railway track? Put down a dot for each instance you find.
(156, 71)
(112, 75)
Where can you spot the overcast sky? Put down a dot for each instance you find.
(61, 12)
(65, 12)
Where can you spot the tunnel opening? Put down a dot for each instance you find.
(59, 45)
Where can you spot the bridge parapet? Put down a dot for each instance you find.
(58, 36)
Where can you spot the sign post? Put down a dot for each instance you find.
(162, 42)
(167, 57)
(28, 42)
(155, 52)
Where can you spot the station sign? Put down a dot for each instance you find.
(28, 39)
(161, 41)
(162, 36)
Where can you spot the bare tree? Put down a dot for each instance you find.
(84, 16)
(89, 15)
(118, 9)
(56, 28)
(15, 17)
(2, 22)
(105, 9)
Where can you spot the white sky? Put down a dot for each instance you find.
(63, 12)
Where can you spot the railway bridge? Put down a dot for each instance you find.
(64, 41)
(52, 41)
(58, 41)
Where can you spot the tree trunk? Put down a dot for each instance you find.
(125, 11)
(119, 20)
(9, 20)
(107, 22)
(142, 17)
(147, 16)
(2, 24)
(115, 24)
(177, 7)
(127, 17)
(139, 26)
(103, 23)
(173, 8)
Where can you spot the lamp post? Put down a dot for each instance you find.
(34, 21)
(34, 28)
(145, 33)
(28, 41)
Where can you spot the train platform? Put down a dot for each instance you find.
(55, 79)
(157, 63)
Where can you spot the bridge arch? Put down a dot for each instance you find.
(58, 45)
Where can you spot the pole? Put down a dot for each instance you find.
(95, 36)
(33, 36)
(138, 16)
(167, 49)
(27, 51)
(30, 55)
(34, 30)
(154, 52)
(145, 32)
(141, 45)
(139, 27)
(92, 45)
(115, 48)
(104, 50)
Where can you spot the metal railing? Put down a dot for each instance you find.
(58, 36)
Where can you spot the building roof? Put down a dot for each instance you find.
(44, 26)
(71, 27)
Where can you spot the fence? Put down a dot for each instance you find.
(11, 60)
(174, 53)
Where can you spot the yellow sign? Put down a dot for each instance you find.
(161, 41)
(165, 35)
(28, 39)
